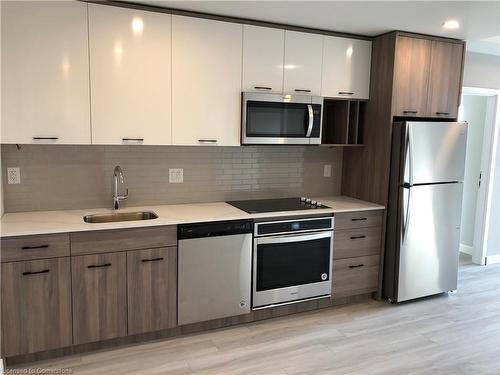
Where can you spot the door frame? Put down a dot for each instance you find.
(488, 155)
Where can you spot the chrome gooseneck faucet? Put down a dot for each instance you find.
(118, 179)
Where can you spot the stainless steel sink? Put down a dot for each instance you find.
(120, 216)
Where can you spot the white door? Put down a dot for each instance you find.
(206, 81)
(346, 68)
(303, 61)
(45, 72)
(130, 75)
(263, 53)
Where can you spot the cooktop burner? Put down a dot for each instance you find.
(255, 206)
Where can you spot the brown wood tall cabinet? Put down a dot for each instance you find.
(412, 77)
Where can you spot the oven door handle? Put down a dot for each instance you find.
(294, 238)
(311, 120)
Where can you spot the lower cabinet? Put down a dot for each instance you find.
(353, 276)
(152, 289)
(36, 306)
(99, 297)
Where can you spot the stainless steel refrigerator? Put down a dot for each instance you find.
(424, 209)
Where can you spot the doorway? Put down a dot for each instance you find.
(481, 199)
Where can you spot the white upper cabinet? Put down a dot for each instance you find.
(263, 53)
(206, 81)
(130, 76)
(45, 72)
(303, 60)
(346, 68)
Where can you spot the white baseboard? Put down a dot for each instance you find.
(492, 259)
(466, 249)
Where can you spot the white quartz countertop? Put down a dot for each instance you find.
(62, 221)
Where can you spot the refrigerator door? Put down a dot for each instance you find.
(435, 152)
(430, 235)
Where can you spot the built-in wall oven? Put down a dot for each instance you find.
(292, 260)
(281, 119)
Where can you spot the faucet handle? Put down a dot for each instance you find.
(126, 194)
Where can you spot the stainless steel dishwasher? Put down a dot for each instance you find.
(214, 270)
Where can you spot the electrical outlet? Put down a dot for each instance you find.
(176, 175)
(13, 175)
(327, 170)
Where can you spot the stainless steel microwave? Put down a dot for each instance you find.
(281, 119)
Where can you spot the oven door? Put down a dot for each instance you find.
(292, 267)
(281, 119)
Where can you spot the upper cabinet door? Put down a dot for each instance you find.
(346, 68)
(130, 76)
(445, 79)
(45, 72)
(411, 77)
(263, 53)
(303, 60)
(206, 81)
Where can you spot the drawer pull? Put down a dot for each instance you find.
(46, 138)
(359, 219)
(34, 247)
(207, 140)
(412, 112)
(35, 273)
(262, 88)
(99, 265)
(443, 113)
(357, 237)
(357, 266)
(345, 93)
(302, 90)
(152, 260)
(133, 139)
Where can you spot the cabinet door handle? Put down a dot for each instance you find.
(345, 93)
(302, 90)
(35, 272)
(262, 88)
(443, 113)
(133, 139)
(357, 266)
(357, 237)
(34, 247)
(152, 260)
(47, 138)
(207, 140)
(413, 112)
(359, 219)
(99, 265)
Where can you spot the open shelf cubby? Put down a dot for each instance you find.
(343, 122)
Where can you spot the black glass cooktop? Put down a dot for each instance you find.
(254, 206)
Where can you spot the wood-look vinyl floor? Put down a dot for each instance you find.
(449, 334)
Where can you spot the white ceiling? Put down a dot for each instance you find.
(479, 20)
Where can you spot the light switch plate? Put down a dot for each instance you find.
(13, 176)
(176, 175)
(327, 170)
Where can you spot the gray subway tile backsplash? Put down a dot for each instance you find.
(55, 177)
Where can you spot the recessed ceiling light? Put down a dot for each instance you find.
(451, 24)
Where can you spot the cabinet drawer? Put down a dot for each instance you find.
(355, 275)
(35, 247)
(359, 219)
(107, 241)
(99, 297)
(357, 242)
(36, 306)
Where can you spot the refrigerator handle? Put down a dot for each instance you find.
(409, 154)
(406, 213)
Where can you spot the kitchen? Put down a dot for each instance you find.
(173, 174)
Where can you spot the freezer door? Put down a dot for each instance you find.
(435, 152)
(430, 236)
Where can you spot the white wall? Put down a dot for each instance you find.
(474, 112)
(482, 70)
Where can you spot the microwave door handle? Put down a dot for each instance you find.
(311, 120)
